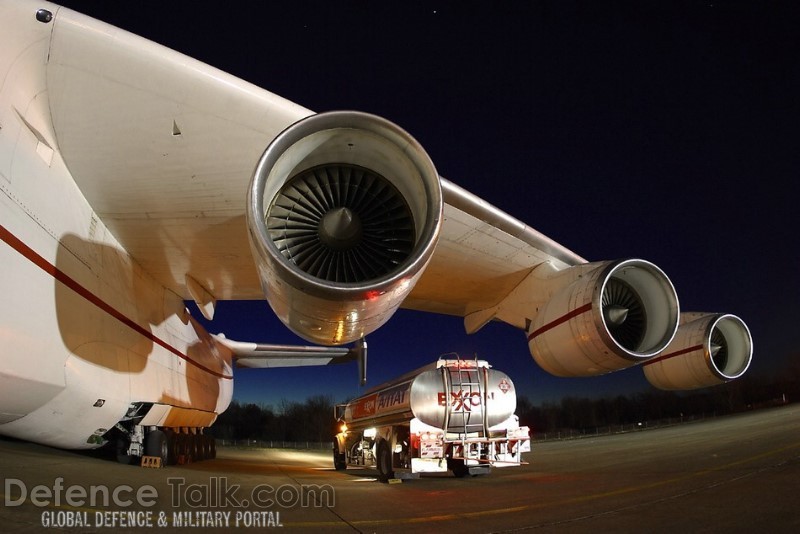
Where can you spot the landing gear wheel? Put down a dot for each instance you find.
(199, 448)
(122, 451)
(182, 446)
(194, 448)
(385, 470)
(172, 445)
(156, 444)
(205, 453)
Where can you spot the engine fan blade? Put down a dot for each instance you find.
(342, 223)
(719, 349)
(624, 313)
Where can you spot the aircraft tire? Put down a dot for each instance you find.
(182, 446)
(172, 444)
(157, 444)
(122, 451)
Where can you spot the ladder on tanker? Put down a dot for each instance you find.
(466, 394)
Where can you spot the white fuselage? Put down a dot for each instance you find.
(84, 331)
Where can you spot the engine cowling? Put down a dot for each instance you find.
(602, 317)
(708, 349)
(344, 212)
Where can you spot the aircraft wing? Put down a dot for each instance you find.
(222, 190)
(164, 146)
(483, 254)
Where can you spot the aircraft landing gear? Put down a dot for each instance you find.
(156, 444)
(171, 445)
(122, 443)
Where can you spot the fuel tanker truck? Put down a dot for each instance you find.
(454, 414)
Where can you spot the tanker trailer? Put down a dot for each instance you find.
(454, 414)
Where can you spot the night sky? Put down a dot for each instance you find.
(661, 130)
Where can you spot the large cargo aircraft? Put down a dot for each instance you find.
(135, 179)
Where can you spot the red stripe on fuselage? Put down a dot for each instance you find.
(563, 319)
(15, 243)
(673, 354)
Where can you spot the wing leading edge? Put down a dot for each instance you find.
(163, 148)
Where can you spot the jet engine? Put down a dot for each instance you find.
(602, 317)
(344, 211)
(708, 349)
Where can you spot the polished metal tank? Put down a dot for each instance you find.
(456, 395)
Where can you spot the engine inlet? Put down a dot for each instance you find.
(343, 212)
(341, 223)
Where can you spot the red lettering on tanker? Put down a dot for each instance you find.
(461, 401)
(392, 397)
(364, 407)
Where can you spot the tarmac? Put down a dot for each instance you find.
(739, 473)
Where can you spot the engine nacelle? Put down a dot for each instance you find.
(344, 212)
(603, 317)
(708, 349)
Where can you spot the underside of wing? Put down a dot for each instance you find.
(163, 148)
(221, 190)
(482, 255)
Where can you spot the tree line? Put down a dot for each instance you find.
(313, 419)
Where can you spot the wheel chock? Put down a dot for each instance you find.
(151, 461)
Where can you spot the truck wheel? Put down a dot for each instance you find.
(385, 470)
(339, 462)
(458, 467)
